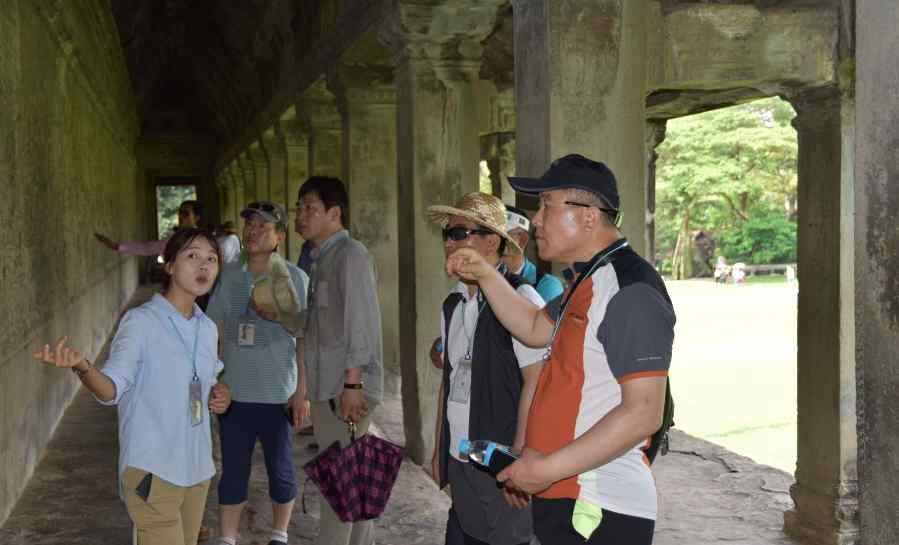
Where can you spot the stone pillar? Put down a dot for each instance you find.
(237, 185)
(877, 276)
(272, 142)
(498, 149)
(247, 172)
(296, 143)
(366, 99)
(655, 135)
(437, 159)
(580, 88)
(826, 488)
(262, 168)
(319, 111)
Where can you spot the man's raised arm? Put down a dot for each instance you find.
(525, 321)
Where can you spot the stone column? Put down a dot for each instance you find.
(437, 159)
(237, 186)
(580, 88)
(246, 170)
(655, 135)
(272, 142)
(498, 149)
(366, 98)
(296, 143)
(826, 488)
(226, 196)
(319, 112)
(876, 246)
(262, 168)
(498, 140)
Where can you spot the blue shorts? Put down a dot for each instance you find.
(239, 428)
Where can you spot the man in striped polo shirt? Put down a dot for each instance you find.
(265, 376)
(601, 395)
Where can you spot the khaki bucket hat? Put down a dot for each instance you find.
(483, 209)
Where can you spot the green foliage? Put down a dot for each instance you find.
(728, 172)
(763, 238)
(168, 200)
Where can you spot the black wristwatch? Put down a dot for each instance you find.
(351, 386)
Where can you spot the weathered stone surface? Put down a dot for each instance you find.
(826, 486)
(707, 54)
(437, 52)
(580, 88)
(296, 142)
(320, 115)
(67, 168)
(366, 99)
(877, 267)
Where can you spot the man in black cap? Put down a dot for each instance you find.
(601, 395)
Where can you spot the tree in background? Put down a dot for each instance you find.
(168, 199)
(731, 173)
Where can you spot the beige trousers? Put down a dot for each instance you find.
(170, 515)
(332, 530)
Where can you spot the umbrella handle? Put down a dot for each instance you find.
(351, 427)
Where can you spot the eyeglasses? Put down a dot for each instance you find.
(458, 234)
(610, 211)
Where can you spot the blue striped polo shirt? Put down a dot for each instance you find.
(266, 371)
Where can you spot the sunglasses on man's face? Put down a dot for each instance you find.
(458, 234)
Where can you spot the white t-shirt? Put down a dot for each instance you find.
(461, 332)
(230, 246)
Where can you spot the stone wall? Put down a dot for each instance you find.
(67, 168)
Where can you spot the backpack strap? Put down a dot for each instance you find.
(658, 443)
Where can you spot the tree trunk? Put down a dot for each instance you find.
(682, 260)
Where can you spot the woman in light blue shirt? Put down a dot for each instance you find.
(161, 374)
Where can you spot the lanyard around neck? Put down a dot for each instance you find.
(187, 350)
(599, 260)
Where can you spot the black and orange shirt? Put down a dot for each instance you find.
(618, 326)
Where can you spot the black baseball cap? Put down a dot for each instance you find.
(573, 171)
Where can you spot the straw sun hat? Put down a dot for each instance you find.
(481, 208)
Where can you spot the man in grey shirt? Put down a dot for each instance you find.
(342, 338)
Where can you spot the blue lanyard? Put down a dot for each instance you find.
(184, 343)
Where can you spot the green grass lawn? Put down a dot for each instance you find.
(733, 372)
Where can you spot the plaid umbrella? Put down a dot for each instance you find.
(357, 480)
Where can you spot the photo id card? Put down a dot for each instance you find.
(195, 398)
(246, 334)
(460, 389)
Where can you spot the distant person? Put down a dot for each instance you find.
(229, 242)
(162, 375)
(722, 270)
(738, 273)
(307, 256)
(190, 215)
(518, 226)
(790, 273)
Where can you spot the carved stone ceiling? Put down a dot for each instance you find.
(204, 65)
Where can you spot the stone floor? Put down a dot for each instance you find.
(707, 495)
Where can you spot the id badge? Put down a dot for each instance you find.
(246, 334)
(196, 403)
(460, 389)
